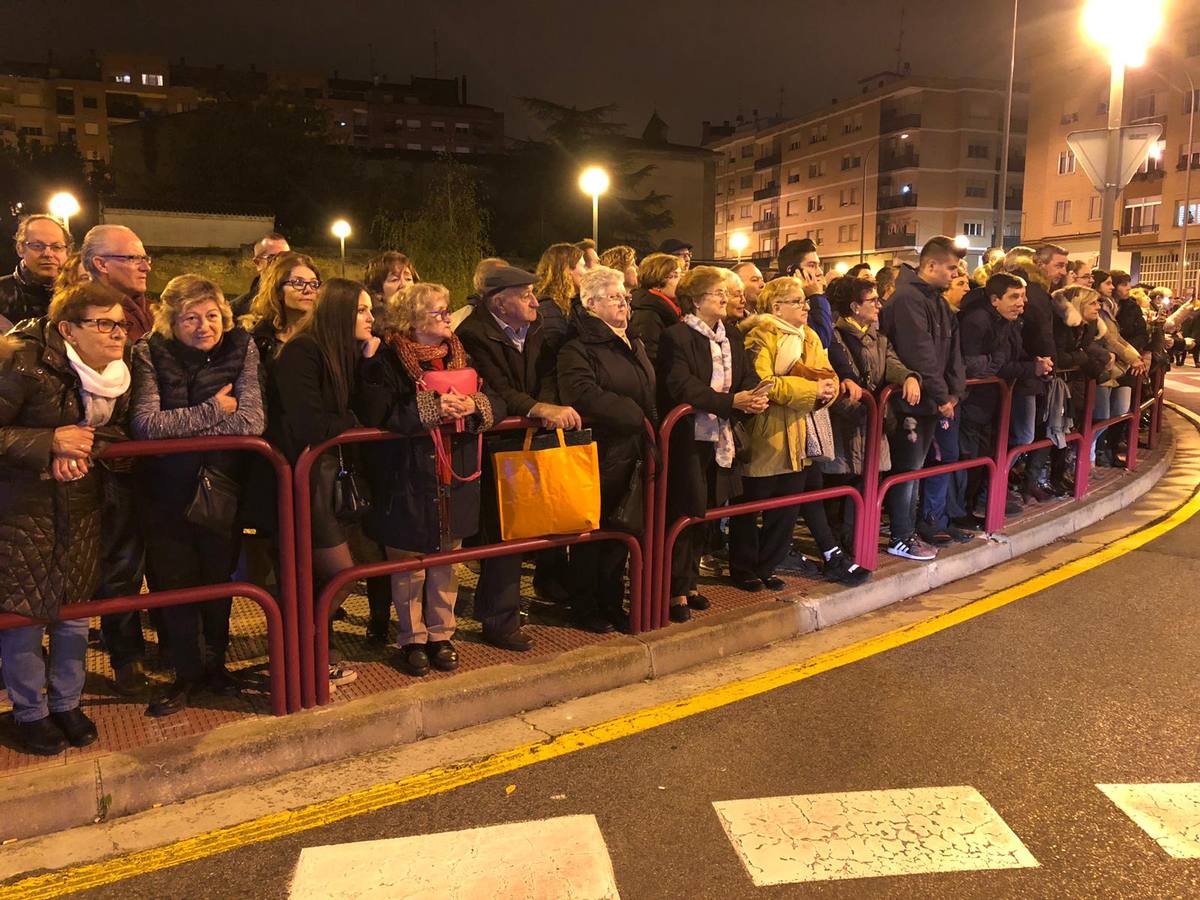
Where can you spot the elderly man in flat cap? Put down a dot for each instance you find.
(503, 335)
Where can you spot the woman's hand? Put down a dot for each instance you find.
(73, 441)
(450, 405)
(853, 391)
(466, 404)
(64, 468)
(370, 345)
(226, 400)
(750, 402)
(827, 389)
(911, 391)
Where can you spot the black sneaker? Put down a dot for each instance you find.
(959, 535)
(934, 534)
(679, 612)
(840, 567)
(913, 548)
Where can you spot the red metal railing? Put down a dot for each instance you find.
(314, 617)
(280, 615)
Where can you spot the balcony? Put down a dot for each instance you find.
(1155, 174)
(1142, 228)
(896, 201)
(766, 162)
(885, 241)
(893, 161)
(766, 193)
(1183, 162)
(766, 224)
(893, 121)
(1015, 164)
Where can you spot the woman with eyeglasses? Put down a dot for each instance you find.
(64, 394)
(314, 381)
(419, 507)
(787, 354)
(702, 362)
(654, 307)
(605, 374)
(196, 374)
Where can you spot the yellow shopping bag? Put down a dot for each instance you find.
(552, 491)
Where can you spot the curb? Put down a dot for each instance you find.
(121, 784)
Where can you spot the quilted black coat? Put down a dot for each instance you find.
(49, 530)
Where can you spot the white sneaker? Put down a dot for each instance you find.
(339, 674)
(913, 548)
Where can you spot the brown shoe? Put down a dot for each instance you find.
(131, 681)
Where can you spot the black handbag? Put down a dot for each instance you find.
(629, 515)
(350, 502)
(215, 504)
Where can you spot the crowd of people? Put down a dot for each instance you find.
(775, 370)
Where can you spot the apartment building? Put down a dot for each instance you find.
(1062, 206)
(878, 174)
(77, 103)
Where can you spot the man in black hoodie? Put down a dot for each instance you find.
(923, 330)
(992, 346)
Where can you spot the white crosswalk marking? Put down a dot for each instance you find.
(864, 834)
(1169, 813)
(543, 860)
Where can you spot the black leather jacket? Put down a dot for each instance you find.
(22, 298)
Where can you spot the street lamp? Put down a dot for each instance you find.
(841, 268)
(862, 199)
(594, 181)
(62, 207)
(341, 231)
(1125, 31)
(962, 242)
(738, 242)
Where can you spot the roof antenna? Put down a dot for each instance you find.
(435, 53)
(900, 42)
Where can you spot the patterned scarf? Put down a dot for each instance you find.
(412, 354)
(709, 427)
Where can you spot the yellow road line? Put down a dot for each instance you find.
(446, 778)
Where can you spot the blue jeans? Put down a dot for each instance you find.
(941, 498)
(909, 448)
(1110, 403)
(25, 669)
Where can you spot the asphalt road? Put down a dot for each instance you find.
(1093, 681)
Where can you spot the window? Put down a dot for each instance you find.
(439, 127)
(412, 146)
(794, 145)
(462, 149)
(976, 188)
(64, 102)
(766, 246)
(1144, 105)
(1185, 157)
(816, 203)
(769, 214)
(413, 123)
(29, 100)
(744, 212)
(847, 233)
(851, 161)
(30, 131)
(1066, 162)
(816, 169)
(1193, 214)
(973, 229)
(748, 151)
(462, 127)
(1141, 215)
(977, 151)
(1062, 212)
(816, 235)
(793, 207)
(793, 177)
(747, 181)
(91, 128)
(91, 103)
(852, 124)
(732, 187)
(150, 80)
(819, 133)
(438, 148)
(848, 197)
(1095, 208)
(123, 78)
(1191, 100)
(1154, 159)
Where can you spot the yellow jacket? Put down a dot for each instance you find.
(776, 437)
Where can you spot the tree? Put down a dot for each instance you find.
(446, 232)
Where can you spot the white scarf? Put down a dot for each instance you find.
(100, 390)
(708, 426)
(790, 349)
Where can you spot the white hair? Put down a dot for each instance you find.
(595, 283)
(97, 242)
(733, 279)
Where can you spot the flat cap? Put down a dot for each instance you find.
(673, 245)
(504, 277)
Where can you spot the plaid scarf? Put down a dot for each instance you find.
(412, 354)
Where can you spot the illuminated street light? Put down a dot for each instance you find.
(962, 242)
(341, 231)
(62, 207)
(738, 242)
(594, 181)
(841, 268)
(1124, 31)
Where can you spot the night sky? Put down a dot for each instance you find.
(690, 61)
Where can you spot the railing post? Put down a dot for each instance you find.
(639, 618)
(1135, 426)
(1087, 434)
(304, 576)
(998, 488)
(1156, 410)
(870, 521)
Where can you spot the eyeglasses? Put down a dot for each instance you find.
(619, 299)
(106, 326)
(42, 247)
(720, 292)
(301, 286)
(443, 314)
(134, 258)
(799, 304)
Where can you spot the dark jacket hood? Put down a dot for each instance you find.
(976, 297)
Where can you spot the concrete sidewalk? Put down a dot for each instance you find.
(122, 783)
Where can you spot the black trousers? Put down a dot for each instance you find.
(695, 540)
(600, 566)
(182, 555)
(975, 440)
(498, 594)
(122, 563)
(756, 552)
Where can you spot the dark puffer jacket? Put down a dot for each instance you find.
(991, 346)
(611, 384)
(650, 314)
(23, 298)
(49, 530)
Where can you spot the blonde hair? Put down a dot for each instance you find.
(733, 281)
(181, 294)
(554, 274)
(778, 290)
(268, 302)
(71, 274)
(408, 307)
(620, 257)
(656, 268)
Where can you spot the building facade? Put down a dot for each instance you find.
(875, 176)
(1062, 206)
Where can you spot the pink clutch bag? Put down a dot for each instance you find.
(462, 381)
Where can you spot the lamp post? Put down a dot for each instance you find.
(738, 242)
(62, 207)
(1002, 189)
(862, 199)
(341, 231)
(1125, 31)
(594, 181)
